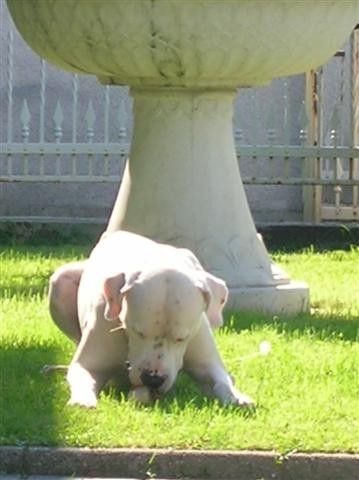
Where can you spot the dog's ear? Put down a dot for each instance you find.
(219, 296)
(218, 289)
(114, 289)
(203, 286)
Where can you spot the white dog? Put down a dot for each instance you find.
(141, 309)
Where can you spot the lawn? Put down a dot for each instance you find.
(306, 389)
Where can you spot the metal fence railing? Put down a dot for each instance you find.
(57, 130)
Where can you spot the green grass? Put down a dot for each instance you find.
(307, 389)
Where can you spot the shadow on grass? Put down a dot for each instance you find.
(186, 395)
(45, 234)
(28, 397)
(296, 238)
(319, 325)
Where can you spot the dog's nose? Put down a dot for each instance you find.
(151, 379)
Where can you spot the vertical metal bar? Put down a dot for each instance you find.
(317, 190)
(106, 128)
(311, 195)
(90, 118)
(75, 87)
(355, 176)
(255, 138)
(10, 65)
(271, 133)
(25, 118)
(26, 165)
(58, 165)
(339, 164)
(334, 136)
(286, 129)
(303, 135)
(238, 137)
(237, 125)
(105, 165)
(271, 137)
(42, 99)
(58, 120)
(355, 84)
(122, 120)
(74, 165)
(286, 126)
(90, 165)
(74, 106)
(254, 123)
(107, 114)
(42, 111)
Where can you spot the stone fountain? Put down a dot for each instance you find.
(184, 60)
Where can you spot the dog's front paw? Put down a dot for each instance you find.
(244, 401)
(87, 400)
(229, 395)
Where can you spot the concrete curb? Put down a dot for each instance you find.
(177, 464)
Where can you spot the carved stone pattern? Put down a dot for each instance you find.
(185, 43)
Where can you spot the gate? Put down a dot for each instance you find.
(336, 201)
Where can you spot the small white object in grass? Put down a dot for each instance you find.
(141, 395)
(265, 348)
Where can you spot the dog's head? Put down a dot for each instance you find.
(161, 312)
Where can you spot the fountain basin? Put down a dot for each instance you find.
(191, 43)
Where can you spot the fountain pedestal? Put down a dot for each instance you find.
(182, 186)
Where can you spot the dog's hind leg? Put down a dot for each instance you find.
(64, 285)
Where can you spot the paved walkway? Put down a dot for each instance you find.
(132, 464)
(47, 477)
(52, 477)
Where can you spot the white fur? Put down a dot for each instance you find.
(147, 303)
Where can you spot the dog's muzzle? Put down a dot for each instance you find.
(152, 380)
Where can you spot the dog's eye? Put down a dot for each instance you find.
(178, 340)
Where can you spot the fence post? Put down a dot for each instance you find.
(356, 85)
(355, 166)
(312, 194)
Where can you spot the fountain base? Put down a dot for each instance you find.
(182, 186)
(288, 299)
